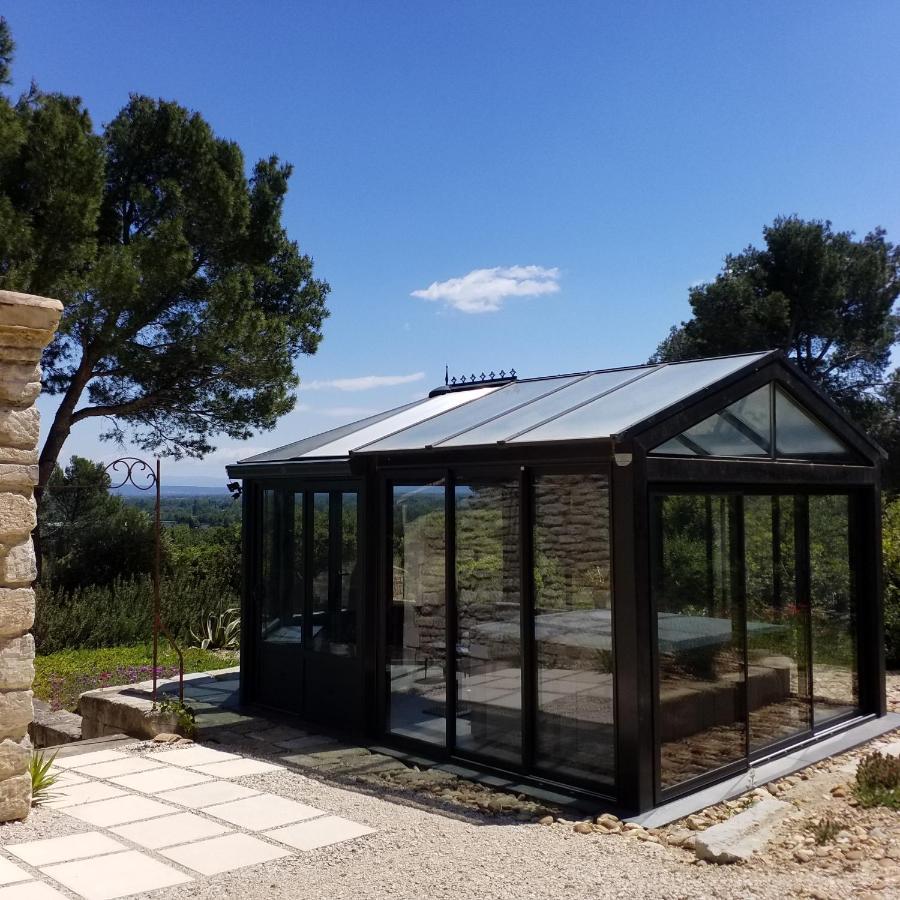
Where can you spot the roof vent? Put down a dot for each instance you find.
(467, 382)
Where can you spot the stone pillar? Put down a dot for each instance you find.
(27, 325)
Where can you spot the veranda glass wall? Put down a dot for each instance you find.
(513, 574)
(755, 624)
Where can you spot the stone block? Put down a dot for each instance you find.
(21, 344)
(18, 517)
(107, 711)
(17, 477)
(15, 714)
(738, 838)
(17, 663)
(18, 567)
(20, 383)
(20, 428)
(51, 728)
(16, 611)
(14, 756)
(15, 797)
(18, 455)
(29, 310)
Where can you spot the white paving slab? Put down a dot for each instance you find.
(319, 832)
(169, 830)
(263, 811)
(193, 756)
(88, 759)
(238, 768)
(118, 767)
(65, 778)
(87, 792)
(116, 875)
(119, 811)
(224, 854)
(65, 849)
(166, 778)
(11, 873)
(208, 794)
(31, 890)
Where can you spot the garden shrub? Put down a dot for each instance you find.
(891, 544)
(122, 612)
(878, 781)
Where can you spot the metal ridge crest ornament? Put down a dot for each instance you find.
(489, 378)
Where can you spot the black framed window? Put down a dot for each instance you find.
(489, 625)
(416, 646)
(574, 729)
(756, 624)
(309, 575)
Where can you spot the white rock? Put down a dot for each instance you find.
(738, 838)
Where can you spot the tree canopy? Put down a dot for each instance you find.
(186, 302)
(825, 298)
(88, 535)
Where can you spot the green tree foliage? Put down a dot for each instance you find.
(89, 536)
(185, 300)
(824, 298)
(891, 547)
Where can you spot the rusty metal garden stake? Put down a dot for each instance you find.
(152, 478)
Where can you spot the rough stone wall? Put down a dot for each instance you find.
(27, 325)
(572, 544)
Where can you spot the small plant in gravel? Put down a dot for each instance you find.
(825, 829)
(184, 715)
(878, 781)
(42, 779)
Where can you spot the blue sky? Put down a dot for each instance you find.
(600, 156)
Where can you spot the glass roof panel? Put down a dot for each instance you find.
(507, 426)
(403, 419)
(468, 416)
(741, 429)
(797, 433)
(634, 402)
(298, 448)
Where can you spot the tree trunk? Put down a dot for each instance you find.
(56, 438)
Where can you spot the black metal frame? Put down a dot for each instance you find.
(634, 474)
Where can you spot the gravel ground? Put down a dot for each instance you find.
(420, 855)
(416, 855)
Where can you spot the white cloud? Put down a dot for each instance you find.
(363, 383)
(485, 290)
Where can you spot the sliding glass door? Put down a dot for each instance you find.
(755, 624)
(513, 575)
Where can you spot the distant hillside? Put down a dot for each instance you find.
(177, 490)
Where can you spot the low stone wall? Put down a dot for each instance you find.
(27, 325)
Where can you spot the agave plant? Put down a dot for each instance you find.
(219, 631)
(42, 779)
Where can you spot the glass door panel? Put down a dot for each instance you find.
(777, 623)
(702, 716)
(574, 722)
(488, 651)
(319, 576)
(416, 626)
(833, 610)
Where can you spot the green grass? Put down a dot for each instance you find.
(62, 676)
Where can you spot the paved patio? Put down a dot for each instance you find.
(160, 819)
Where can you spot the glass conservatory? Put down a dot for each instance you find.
(629, 582)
